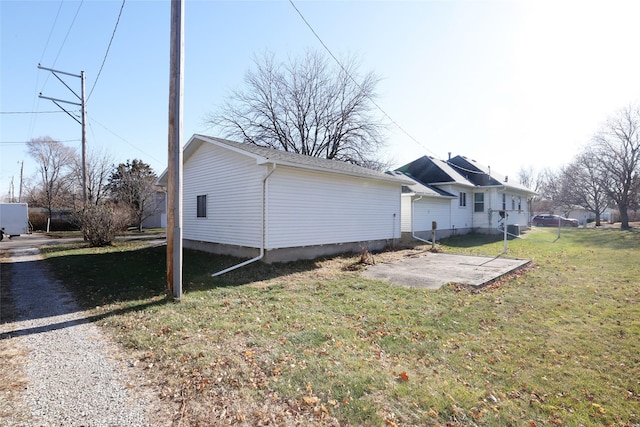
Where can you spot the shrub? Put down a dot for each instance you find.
(100, 224)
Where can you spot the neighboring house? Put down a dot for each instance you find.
(476, 197)
(158, 217)
(244, 200)
(583, 215)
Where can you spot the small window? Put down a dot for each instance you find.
(519, 203)
(504, 202)
(201, 209)
(463, 199)
(478, 202)
(513, 203)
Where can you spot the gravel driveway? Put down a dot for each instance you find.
(74, 375)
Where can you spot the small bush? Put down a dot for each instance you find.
(100, 224)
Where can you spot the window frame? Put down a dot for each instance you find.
(477, 203)
(201, 206)
(462, 199)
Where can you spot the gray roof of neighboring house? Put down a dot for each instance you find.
(421, 189)
(458, 170)
(264, 155)
(482, 175)
(429, 170)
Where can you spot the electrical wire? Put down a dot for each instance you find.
(55, 20)
(122, 139)
(358, 84)
(67, 35)
(33, 112)
(453, 165)
(26, 142)
(36, 100)
(107, 52)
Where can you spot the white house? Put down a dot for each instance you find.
(477, 198)
(250, 201)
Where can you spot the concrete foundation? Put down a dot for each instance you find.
(289, 254)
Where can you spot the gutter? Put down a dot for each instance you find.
(263, 232)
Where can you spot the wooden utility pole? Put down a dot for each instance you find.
(174, 187)
(21, 173)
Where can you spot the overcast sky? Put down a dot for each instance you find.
(510, 84)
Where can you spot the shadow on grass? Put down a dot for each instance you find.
(80, 321)
(132, 279)
(130, 275)
(473, 240)
(611, 238)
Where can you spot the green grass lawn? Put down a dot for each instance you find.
(314, 343)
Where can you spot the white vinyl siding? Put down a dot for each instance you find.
(315, 208)
(460, 217)
(233, 185)
(426, 210)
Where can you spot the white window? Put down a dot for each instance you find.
(463, 199)
(478, 202)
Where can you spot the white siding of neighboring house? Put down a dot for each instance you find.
(461, 217)
(233, 185)
(315, 208)
(493, 202)
(426, 210)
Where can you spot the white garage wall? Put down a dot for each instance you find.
(307, 208)
(427, 210)
(233, 185)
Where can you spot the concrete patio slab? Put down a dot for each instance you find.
(432, 270)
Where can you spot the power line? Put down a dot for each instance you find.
(68, 32)
(55, 21)
(107, 52)
(354, 80)
(32, 112)
(26, 142)
(123, 139)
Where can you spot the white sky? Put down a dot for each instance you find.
(507, 83)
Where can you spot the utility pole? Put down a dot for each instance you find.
(174, 188)
(20, 190)
(82, 121)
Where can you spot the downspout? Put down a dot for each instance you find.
(263, 230)
(413, 234)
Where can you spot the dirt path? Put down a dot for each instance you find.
(69, 373)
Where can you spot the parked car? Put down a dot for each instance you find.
(553, 221)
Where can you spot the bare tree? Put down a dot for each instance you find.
(585, 181)
(617, 146)
(307, 107)
(533, 180)
(557, 186)
(99, 168)
(132, 184)
(53, 183)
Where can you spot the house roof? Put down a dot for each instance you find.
(419, 189)
(458, 170)
(265, 155)
(482, 175)
(431, 171)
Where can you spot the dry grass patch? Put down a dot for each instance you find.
(314, 343)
